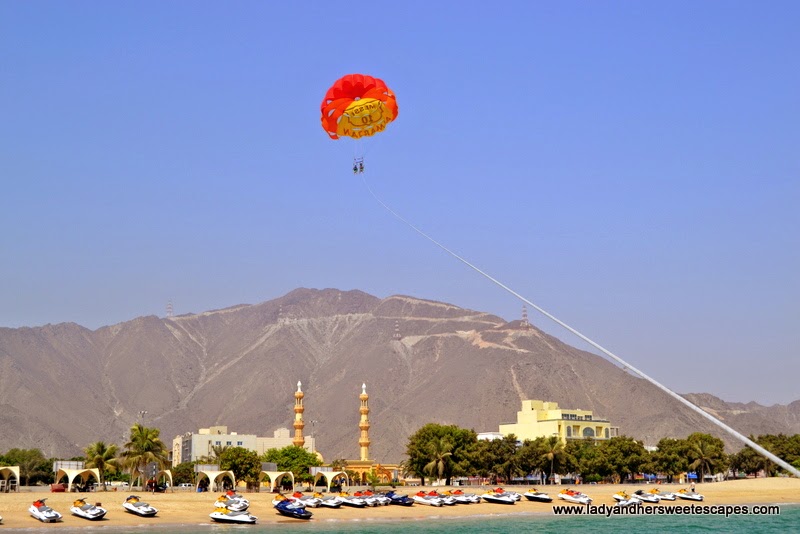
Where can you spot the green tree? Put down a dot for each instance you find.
(529, 456)
(553, 451)
(295, 459)
(748, 461)
(421, 442)
(32, 463)
(581, 456)
(670, 457)
(623, 456)
(145, 446)
(439, 452)
(103, 458)
(503, 454)
(706, 454)
(245, 464)
(782, 446)
(183, 473)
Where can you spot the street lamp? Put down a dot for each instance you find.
(313, 440)
(142, 413)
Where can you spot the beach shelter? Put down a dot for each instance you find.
(167, 474)
(6, 473)
(275, 477)
(215, 478)
(72, 474)
(329, 477)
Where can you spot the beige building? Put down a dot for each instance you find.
(543, 419)
(193, 446)
(282, 438)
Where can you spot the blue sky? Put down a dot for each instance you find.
(631, 167)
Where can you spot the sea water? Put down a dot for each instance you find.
(787, 522)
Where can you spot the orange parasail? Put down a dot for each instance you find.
(357, 106)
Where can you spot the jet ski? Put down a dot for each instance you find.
(689, 495)
(662, 496)
(86, 510)
(331, 501)
(534, 495)
(401, 500)
(370, 498)
(293, 508)
(647, 497)
(43, 513)
(513, 494)
(382, 499)
(466, 498)
(421, 497)
(232, 495)
(623, 499)
(234, 505)
(134, 506)
(574, 497)
(447, 500)
(310, 501)
(223, 515)
(497, 498)
(349, 500)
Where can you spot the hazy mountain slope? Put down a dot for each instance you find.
(63, 386)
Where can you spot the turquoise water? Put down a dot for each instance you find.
(788, 521)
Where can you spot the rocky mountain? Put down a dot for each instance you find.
(63, 386)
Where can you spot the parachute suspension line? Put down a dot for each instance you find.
(747, 441)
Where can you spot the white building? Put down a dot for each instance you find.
(193, 446)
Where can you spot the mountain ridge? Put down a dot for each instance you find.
(63, 386)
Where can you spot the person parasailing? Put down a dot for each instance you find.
(357, 106)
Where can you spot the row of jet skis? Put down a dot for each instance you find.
(93, 512)
(232, 507)
(654, 496)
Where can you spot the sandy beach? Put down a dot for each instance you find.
(187, 507)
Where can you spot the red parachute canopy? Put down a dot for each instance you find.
(357, 106)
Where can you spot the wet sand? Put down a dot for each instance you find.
(183, 507)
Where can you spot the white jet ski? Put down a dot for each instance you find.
(537, 496)
(574, 497)
(310, 501)
(329, 501)
(498, 498)
(689, 495)
(662, 496)
(234, 505)
(232, 495)
(223, 515)
(623, 499)
(43, 513)
(350, 500)
(135, 506)
(647, 497)
(86, 510)
(421, 497)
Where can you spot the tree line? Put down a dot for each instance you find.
(145, 447)
(442, 452)
(447, 451)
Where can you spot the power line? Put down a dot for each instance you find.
(744, 439)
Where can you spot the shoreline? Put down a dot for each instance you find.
(186, 509)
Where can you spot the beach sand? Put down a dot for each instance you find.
(184, 507)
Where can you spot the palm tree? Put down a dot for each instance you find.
(553, 448)
(705, 458)
(143, 448)
(439, 451)
(103, 458)
(216, 452)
